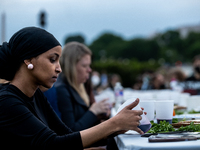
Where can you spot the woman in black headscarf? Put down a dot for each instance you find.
(31, 59)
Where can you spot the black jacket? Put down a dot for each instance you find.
(74, 112)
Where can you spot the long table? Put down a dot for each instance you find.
(133, 141)
(136, 142)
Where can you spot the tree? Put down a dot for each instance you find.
(193, 49)
(105, 46)
(141, 49)
(171, 46)
(109, 45)
(192, 45)
(168, 46)
(77, 38)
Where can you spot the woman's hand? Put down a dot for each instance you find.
(100, 107)
(128, 119)
(144, 112)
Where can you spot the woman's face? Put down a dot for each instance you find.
(83, 69)
(47, 67)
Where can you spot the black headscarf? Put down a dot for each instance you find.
(27, 43)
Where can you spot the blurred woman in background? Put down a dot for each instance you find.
(77, 107)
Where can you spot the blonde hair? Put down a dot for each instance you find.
(3, 81)
(71, 55)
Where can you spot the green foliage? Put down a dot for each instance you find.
(107, 45)
(193, 112)
(175, 120)
(194, 49)
(175, 48)
(192, 127)
(130, 58)
(127, 69)
(162, 127)
(141, 49)
(168, 46)
(172, 39)
(77, 38)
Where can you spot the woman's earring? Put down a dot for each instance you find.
(30, 66)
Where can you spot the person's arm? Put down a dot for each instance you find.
(126, 119)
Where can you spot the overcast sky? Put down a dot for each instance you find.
(127, 18)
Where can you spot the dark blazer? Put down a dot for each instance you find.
(74, 112)
(52, 98)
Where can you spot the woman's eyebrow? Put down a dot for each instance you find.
(55, 54)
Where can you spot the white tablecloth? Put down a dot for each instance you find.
(136, 142)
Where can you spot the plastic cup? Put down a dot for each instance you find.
(145, 124)
(164, 110)
(149, 107)
(101, 97)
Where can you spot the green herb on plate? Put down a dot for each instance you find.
(193, 112)
(192, 127)
(175, 120)
(163, 126)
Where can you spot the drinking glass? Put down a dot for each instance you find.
(145, 124)
(164, 110)
(149, 108)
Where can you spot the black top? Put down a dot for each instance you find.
(192, 78)
(74, 112)
(30, 123)
(191, 85)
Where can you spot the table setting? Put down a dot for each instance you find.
(167, 130)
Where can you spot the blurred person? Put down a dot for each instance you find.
(192, 83)
(96, 82)
(77, 109)
(90, 92)
(95, 78)
(146, 79)
(29, 60)
(157, 82)
(112, 80)
(196, 66)
(104, 79)
(175, 77)
(138, 83)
